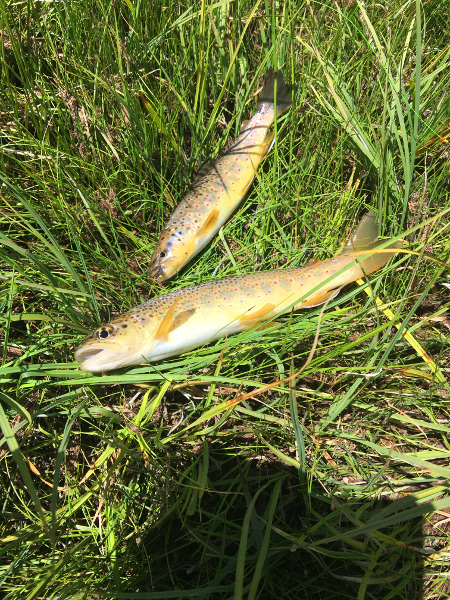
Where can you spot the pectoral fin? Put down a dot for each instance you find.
(166, 326)
(209, 225)
(170, 322)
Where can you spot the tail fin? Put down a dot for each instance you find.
(284, 92)
(365, 237)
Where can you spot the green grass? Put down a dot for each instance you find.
(217, 474)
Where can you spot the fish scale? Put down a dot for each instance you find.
(216, 194)
(191, 317)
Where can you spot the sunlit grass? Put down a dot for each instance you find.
(223, 473)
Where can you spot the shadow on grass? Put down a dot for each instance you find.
(257, 532)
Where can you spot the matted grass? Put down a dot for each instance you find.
(219, 473)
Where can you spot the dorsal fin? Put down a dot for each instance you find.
(203, 170)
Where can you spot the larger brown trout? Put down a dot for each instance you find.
(219, 191)
(188, 318)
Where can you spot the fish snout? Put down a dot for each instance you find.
(164, 267)
(157, 272)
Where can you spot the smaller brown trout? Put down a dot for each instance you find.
(216, 194)
(191, 317)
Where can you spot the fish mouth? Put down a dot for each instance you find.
(83, 354)
(157, 272)
(96, 360)
(87, 357)
(161, 273)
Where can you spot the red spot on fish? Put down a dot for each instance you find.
(290, 279)
(226, 172)
(236, 159)
(207, 204)
(212, 189)
(239, 170)
(196, 206)
(206, 195)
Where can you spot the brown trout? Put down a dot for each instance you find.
(191, 317)
(217, 193)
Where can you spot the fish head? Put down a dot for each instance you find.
(176, 246)
(123, 342)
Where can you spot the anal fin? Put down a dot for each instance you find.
(266, 325)
(317, 299)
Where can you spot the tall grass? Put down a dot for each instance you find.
(221, 473)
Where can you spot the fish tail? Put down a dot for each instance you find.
(365, 237)
(283, 91)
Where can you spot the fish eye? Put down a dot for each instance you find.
(162, 254)
(104, 332)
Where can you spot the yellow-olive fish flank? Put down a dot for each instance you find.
(216, 194)
(188, 318)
